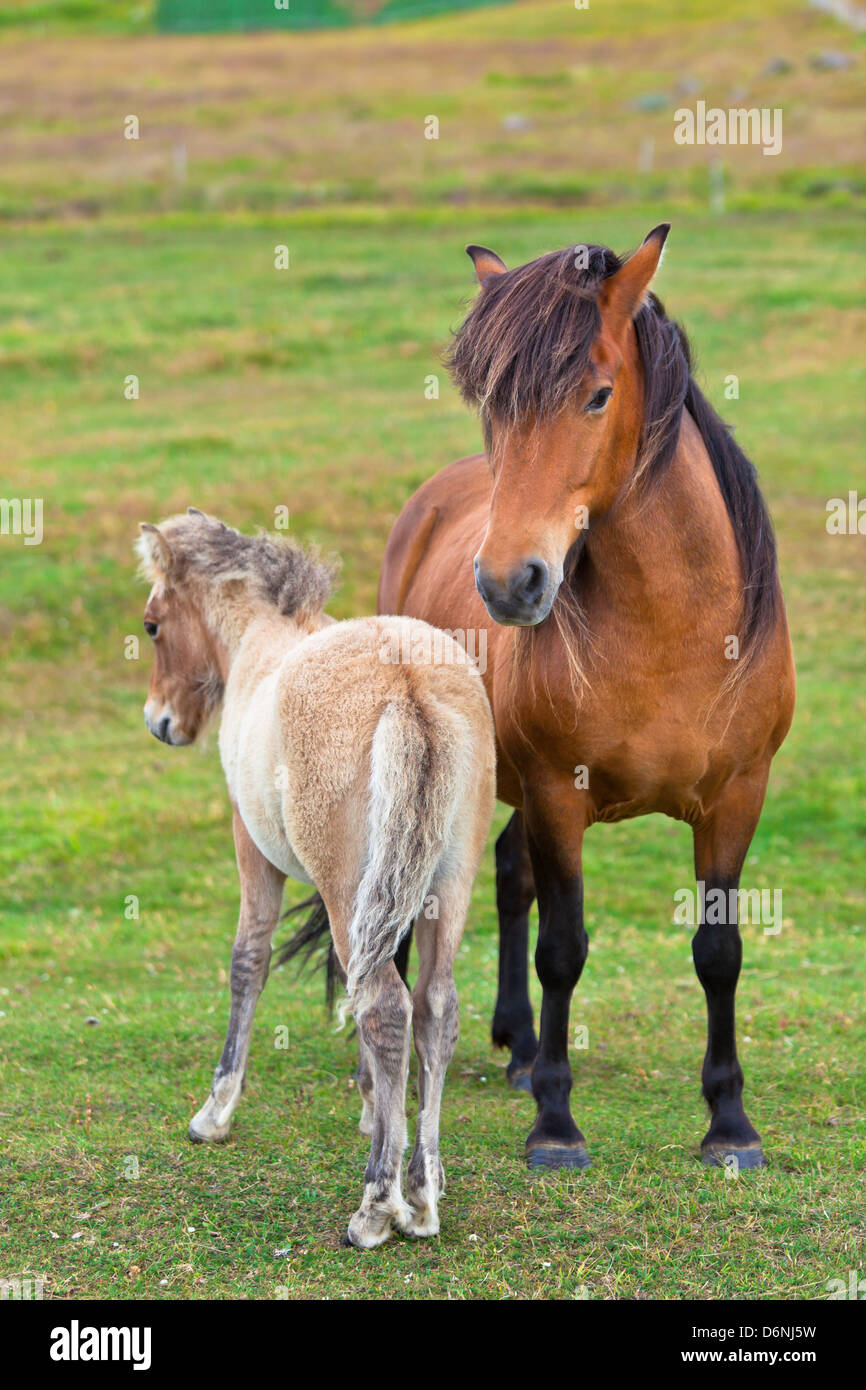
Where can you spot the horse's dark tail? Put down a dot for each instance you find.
(312, 939)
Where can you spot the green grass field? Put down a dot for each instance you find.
(304, 388)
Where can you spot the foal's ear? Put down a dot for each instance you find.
(621, 294)
(155, 549)
(486, 262)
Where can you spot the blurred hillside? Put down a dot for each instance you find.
(535, 102)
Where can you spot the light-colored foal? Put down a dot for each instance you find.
(359, 757)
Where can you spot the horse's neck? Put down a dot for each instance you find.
(263, 644)
(672, 545)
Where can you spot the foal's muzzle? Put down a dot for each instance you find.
(524, 599)
(162, 727)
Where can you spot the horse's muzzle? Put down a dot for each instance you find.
(526, 597)
(162, 729)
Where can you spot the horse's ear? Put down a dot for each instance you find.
(621, 294)
(155, 549)
(486, 262)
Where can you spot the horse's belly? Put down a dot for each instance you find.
(259, 782)
(269, 836)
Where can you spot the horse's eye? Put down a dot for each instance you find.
(151, 629)
(598, 402)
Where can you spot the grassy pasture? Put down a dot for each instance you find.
(305, 388)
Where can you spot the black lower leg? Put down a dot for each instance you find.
(401, 957)
(555, 1140)
(717, 949)
(513, 1025)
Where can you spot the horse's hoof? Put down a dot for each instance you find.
(421, 1227)
(720, 1156)
(550, 1156)
(520, 1079)
(196, 1138)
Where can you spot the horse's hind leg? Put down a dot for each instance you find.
(721, 843)
(383, 1027)
(434, 1023)
(366, 1087)
(261, 897)
(364, 1073)
(515, 892)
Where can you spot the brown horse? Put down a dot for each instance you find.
(638, 653)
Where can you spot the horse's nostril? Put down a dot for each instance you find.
(479, 581)
(531, 584)
(162, 728)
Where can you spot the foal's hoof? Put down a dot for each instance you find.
(196, 1136)
(366, 1234)
(423, 1223)
(550, 1156)
(520, 1078)
(720, 1156)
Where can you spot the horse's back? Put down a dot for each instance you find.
(460, 492)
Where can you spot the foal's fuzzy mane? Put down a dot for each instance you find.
(295, 580)
(521, 353)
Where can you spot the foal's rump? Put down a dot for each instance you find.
(409, 806)
(420, 764)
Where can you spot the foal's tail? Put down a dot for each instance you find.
(414, 786)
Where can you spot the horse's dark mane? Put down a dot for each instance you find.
(523, 349)
(294, 579)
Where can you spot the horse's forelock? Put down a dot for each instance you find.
(525, 343)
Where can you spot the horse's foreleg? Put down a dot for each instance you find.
(721, 844)
(261, 897)
(384, 1028)
(555, 829)
(513, 1024)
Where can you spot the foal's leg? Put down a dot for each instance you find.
(383, 1028)
(364, 1074)
(721, 843)
(555, 825)
(261, 897)
(366, 1087)
(515, 893)
(434, 1022)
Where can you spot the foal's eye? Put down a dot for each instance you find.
(598, 402)
(151, 629)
